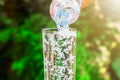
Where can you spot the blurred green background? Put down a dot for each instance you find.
(98, 40)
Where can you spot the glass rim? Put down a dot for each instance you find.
(49, 29)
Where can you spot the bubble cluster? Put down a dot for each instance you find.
(65, 12)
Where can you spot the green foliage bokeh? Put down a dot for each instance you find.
(21, 46)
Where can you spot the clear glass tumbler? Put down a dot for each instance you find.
(59, 49)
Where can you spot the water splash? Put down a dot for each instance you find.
(62, 19)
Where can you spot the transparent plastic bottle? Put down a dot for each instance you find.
(65, 12)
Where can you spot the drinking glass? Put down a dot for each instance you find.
(59, 49)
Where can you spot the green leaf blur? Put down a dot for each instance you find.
(21, 50)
